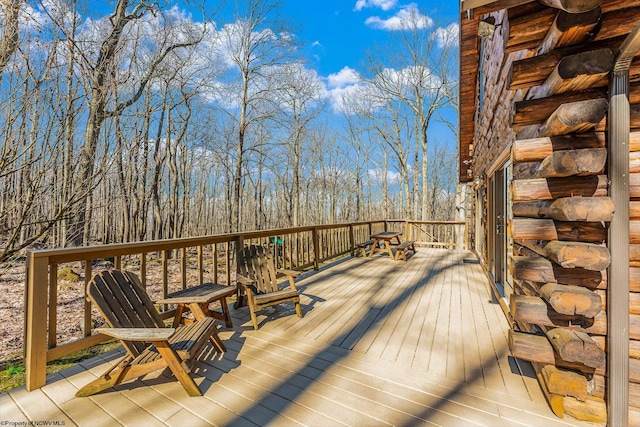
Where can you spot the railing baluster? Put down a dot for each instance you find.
(143, 269)
(200, 265)
(183, 268)
(165, 276)
(88, 272)
(53, 310)
(228, 263)
(214, 256)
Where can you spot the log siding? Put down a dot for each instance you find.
(544, 82)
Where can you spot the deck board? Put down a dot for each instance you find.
(381, 343)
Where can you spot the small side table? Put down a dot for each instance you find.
(198, 298)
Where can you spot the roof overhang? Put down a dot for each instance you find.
(471, 11)
(472, 4)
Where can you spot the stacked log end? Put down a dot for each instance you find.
(561, 204)
(560, 208)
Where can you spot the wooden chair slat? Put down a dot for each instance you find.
(122, 300)
(256, 263)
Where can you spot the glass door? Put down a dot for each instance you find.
(499, 241)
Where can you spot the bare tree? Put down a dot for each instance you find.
(254, 48)
(9, 32)
(418, 73)
(299, 96)
(126, 12)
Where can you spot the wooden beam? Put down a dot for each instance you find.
(570, 29)
(576, 346)
(548, 229)
(526, 32)
(576, 72)
(589, 256)
(532, 309)
(618, 23)
(574, 117)
(586, 161)
(578, 255)
(536, 111)
(537, 149)
(568, 209)
(572, 300)
(482, 7)
(533, 71)
(592, 410)
(537, 348)
(541, 270)
(526, 190)
(565, 383)
(573, 6)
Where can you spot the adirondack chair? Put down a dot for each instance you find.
(257, 274)
(150, 346)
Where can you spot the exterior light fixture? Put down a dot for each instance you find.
(487, 27)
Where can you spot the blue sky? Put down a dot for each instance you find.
(340, 31)
(337, 33)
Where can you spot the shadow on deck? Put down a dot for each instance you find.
(381, 343)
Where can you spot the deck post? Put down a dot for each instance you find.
(35, 357)
(618, 290)
(352, 240)
(316, 248)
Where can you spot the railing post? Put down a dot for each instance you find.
(239, 243)
(406, 230)
(466, 235)
(165, 276)
(53, 314)
(316, 248)
(88, 272)
(35, 357)
(241, 297)
(352, 240)
(183, 267)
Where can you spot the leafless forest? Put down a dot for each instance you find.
(150, 122)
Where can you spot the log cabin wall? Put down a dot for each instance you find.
(542, 93)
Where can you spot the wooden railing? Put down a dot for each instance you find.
(436, 234)
(185, 262)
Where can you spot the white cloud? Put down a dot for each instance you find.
(345, 77)
(449, 36)
(316, 44)
(342, 85)
(408, 17)
(382, 4)
(377, 176)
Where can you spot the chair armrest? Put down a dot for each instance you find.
(292, 273)
(248, 284)
(138, 334)
(244, 280)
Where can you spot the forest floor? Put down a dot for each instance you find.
(12, 284)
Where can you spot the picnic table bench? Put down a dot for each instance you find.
(402, 248)
(386, 237)
(363, 247)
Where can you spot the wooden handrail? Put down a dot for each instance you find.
(307, 246)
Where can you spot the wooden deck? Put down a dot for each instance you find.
(382, 343)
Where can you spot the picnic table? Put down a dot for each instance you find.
(387, 237)
(198, 298)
